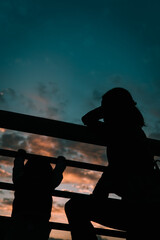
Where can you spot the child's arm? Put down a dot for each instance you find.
(18, 169)
(57, 175)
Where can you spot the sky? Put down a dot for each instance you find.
(58, 57)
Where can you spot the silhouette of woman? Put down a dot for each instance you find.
(129, 174)
(34, 183)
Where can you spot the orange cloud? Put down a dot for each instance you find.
(76, 175)
(5, 204)
(2, 130)
(4, 173)
(69, 149)
(41, 145)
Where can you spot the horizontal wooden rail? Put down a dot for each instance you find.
(99, 231)
(70, 163)
(66, 227)
(56, 193)
(58, 129)
(48, 127)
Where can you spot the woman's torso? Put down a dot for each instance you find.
(130, 160)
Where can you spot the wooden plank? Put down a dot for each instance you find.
(48, 127)
(6, 186)
(66, 227)
(57, 129)
(56, 193)
(99, 231)
(70, 163)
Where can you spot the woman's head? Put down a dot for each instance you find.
(118, 97)
(119, 106)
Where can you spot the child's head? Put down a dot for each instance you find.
(38, 168)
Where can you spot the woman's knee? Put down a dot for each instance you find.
(68, 206)
(72, 206)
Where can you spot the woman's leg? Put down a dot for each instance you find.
(81, 211)
(78, 215)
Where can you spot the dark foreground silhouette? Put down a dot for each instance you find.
(34, 183)
(130, 175)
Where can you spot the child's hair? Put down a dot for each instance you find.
(119, 100)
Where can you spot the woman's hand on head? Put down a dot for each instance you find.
(92, 117)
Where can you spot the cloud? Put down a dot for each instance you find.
(76, 151)
(51, 98)
(7, 95)
(41, 145)
(5, 210)
(16, 101)
(2, 130)
(44, 100)
(69, 149)
(53, 147)
(12, 140)
(47, 90)
(102, 238)
(2, 100)
(7, 201)
(6, 160)
(86, 188)
(80, 177)
(82, 152)
(84, 180)
(4, 173)
(57, 208)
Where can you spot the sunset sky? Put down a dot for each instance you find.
(57, 58)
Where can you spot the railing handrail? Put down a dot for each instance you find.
(70, 163)
(66, 227)
(58, 129)
(68, 131)
(48, 127)
(56, 193)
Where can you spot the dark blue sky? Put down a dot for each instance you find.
(58, 57)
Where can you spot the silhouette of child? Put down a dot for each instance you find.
(129, 174)
(34, 183)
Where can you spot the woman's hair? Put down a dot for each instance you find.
(119, 101)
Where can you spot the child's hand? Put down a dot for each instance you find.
(18, 169)
(61, 163)
(21, 153)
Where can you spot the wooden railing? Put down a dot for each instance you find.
(68, 131)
